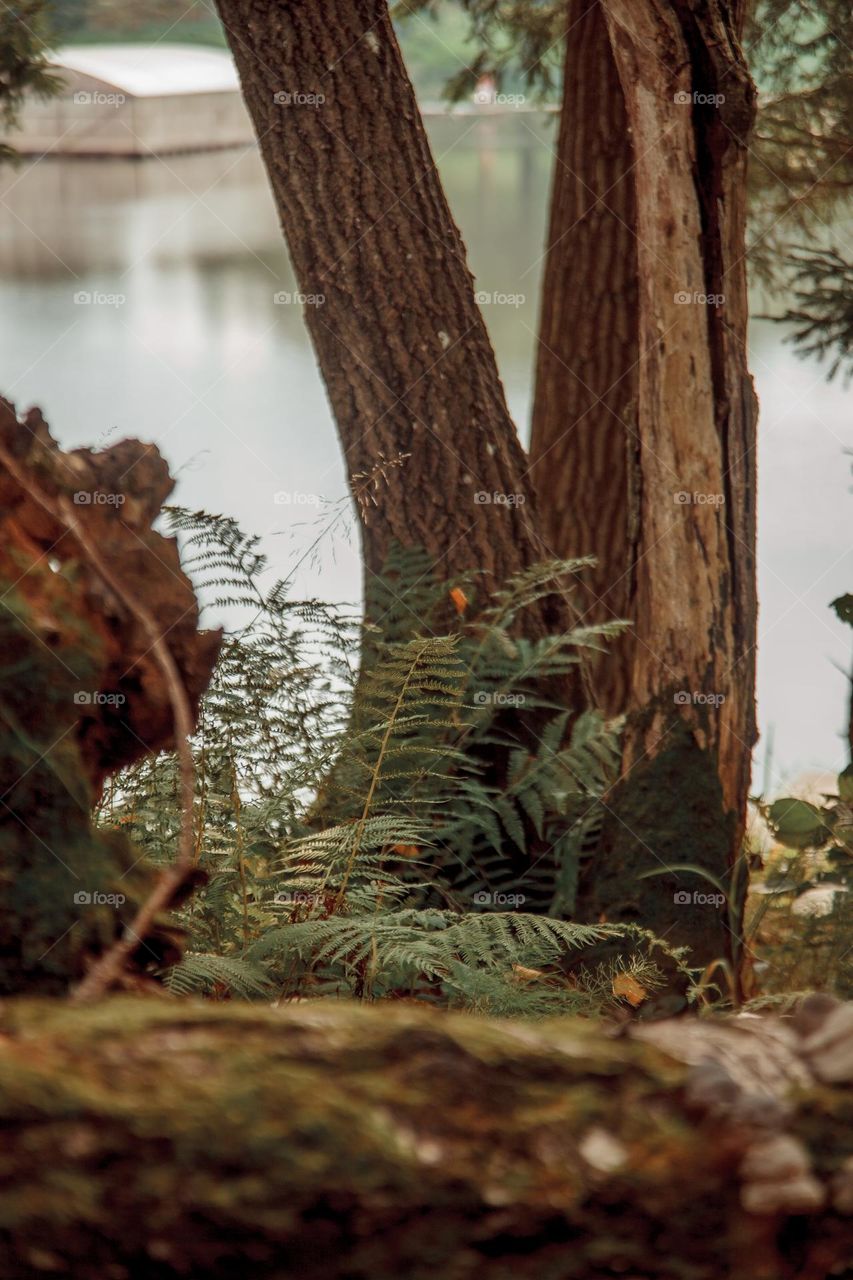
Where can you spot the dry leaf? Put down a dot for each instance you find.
(525, 975)
(460, 600)
(628, 988)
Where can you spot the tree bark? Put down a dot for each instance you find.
(584, 451)
(662, 456)
(401, 344)
(433, 457)
(146, 1140)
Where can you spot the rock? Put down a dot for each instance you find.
(829, 1049)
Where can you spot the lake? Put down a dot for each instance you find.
(137, 298)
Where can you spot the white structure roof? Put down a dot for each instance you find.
(151, 71)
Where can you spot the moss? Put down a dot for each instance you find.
(333, 1140)
(668, 810)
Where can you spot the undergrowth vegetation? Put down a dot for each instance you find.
(800, 911)
(800, 916)
(355, 833)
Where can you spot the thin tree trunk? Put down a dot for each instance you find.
(150, 1140)
(401, 345)
(664, 462)
(585, 444)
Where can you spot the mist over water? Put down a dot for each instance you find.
(138, 298)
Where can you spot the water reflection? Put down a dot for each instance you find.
(181, 342)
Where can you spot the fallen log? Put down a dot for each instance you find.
(326, 1140)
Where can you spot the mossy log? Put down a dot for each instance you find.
(157, 1139)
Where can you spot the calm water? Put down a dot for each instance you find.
(182, 343)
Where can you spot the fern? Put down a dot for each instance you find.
(198, 973)
(419, 952)
(429, 942)
(355, 836)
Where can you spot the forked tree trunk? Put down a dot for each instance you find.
(401, 344)
(645, 423)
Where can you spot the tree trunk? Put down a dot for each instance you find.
(432, 454)
(584, 450)
(147, 1140)
(433, 457)
(662, 456)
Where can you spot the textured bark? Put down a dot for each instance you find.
(123, 710)
(432, 455)
(685, 497)
(584, 450)
(148, 1140)
(401, 345)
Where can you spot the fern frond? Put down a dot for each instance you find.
(199, 973)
